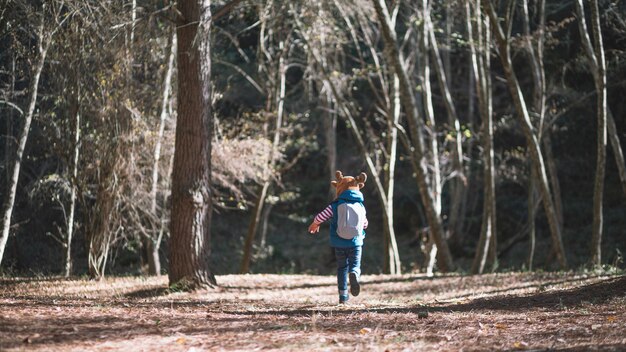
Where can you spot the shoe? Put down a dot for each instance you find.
(355, 288)
(343, 299)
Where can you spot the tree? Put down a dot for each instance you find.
(457, 188)
(480, 52)
(154, 241)
(190, 224)
(44, 38)
(279, 105)
(384, 86)
(595, 56)
(334, 84)
(418, 154)
(504, 51)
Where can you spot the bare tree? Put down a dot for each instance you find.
(418, 154)
(74, 177)
(480, 50)
(154, 242)
(595, 56)
(456, 148)
(44, 38)
(334, 84)
(504, 50)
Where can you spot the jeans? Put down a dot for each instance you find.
(348, 261)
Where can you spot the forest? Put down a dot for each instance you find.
(184, 144)
(504, 156)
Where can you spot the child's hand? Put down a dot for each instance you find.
(313, 228)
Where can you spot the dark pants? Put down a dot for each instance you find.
(348, 261)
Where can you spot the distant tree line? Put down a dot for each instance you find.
(139, 127)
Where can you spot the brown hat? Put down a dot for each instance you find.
(348, 182)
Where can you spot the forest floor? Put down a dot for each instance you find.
(511, 311)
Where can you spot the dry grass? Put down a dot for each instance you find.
(299, 312)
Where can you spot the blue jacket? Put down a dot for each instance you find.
(347, 196)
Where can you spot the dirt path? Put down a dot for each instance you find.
(299, 312)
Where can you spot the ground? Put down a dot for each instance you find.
(512, 311)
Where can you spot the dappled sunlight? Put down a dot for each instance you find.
(294, 312)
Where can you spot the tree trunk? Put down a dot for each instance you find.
(419, 160)
(600, 82)
(330, 132)
(9, 125)
(392, 256)
(99, 234)
(533, 144)
(70, 218)
(43, 42)
(482, 77)
(265, 224)
(538, 104)
(456, 151)
(190, 225)
(595, 56)
(617, 149)
(435, 179)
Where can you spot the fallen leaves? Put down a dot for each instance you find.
(520, 344)
(610, 319)
(276, 312)
(500, 326)
(181, 340)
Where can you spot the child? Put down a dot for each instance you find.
(348, 221)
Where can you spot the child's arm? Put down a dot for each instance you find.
(320, 218)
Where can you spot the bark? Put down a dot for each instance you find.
(43, 43)
(154, 243)
(419, 160)
(190, 225)
(533, 144)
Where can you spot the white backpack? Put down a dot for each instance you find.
(350, 220)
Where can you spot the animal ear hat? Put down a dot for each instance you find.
(348, 182)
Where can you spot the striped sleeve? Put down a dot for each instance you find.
(324, 215)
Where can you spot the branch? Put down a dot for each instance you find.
(243, 73)
(225, 9)
(13, 106)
